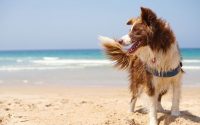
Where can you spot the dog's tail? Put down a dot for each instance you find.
(115, 52)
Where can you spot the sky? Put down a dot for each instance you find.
(76, 24)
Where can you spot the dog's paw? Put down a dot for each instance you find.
(153, 122)
(144, 110)
(132, 109)
(175, 113)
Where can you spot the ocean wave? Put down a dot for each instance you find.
(19, 60)
(50, 58)
(10, 68)
(57, 61)
(191, 61)
(71, 61)
(82, 66)
(191, 67)
(50, 63)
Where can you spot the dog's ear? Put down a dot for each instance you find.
(148, 16)
(130, 21)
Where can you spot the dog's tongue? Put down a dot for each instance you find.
(134, 47)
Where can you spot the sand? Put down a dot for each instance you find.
(50, 105)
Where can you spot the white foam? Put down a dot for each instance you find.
(53, 63)
(21, 68)
(191, 67)
(191, 61)
(19, 60)
(71, 62)
(10, 68)
(50, 58)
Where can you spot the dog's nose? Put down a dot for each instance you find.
(120, 41)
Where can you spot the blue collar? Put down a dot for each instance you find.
(164, 74)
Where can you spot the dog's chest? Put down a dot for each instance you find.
(161, 83)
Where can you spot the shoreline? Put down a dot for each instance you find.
(106, 85)
(93, 76)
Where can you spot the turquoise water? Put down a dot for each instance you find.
(73, 54)
(80, 54)
(76, 67)
(191, 53)
(52, 59)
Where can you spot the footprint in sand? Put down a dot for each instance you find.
(64, 101)
(17, 102)
(7, 109)
(48, 105)
(131, 122)
(22, 118)
(1, 120)
(4, 120)
(99, 106)
(24, 121)
(83, 102)
(31, 106)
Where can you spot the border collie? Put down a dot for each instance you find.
(153, 61)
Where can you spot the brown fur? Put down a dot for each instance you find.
(131, 21)
(116, 53)
(138, 76)
(161, 94)
(152, 31)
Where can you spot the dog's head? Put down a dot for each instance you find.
(148, 31)
(141, 32)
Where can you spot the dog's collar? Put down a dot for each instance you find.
(135, 46)
(169, 73)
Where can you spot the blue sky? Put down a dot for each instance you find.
(76, 24)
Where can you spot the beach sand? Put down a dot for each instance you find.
(61, 105)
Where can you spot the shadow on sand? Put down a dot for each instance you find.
(167, 119)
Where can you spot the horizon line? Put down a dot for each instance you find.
(73, 49)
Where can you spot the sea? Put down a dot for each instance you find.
(76, 67)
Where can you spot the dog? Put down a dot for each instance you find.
(153, 61)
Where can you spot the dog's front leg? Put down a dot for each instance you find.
(176, 99)
(152, 110)
(159, 106)
(132, 104)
